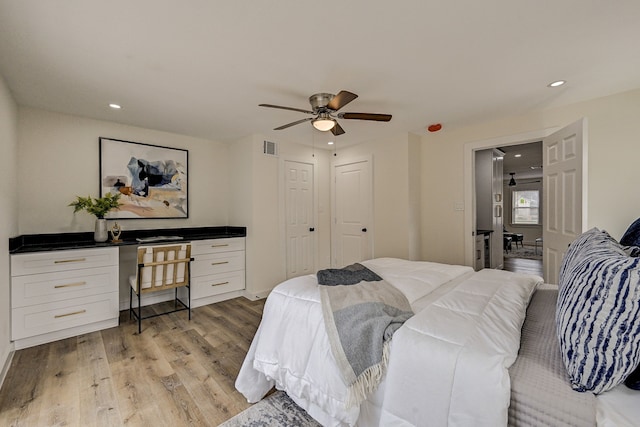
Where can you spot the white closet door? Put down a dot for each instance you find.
(352, 238)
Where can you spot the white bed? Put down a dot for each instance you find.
(449, 363)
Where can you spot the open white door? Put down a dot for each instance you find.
(352, 213)
(564, 183)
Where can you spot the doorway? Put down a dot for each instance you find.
(523, 211)
(564, 152)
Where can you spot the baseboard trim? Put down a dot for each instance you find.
(6, 366)
(254, 296)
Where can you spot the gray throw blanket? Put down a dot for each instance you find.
(361, 313)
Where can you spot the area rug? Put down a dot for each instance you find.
(275, 410)
(527, 252)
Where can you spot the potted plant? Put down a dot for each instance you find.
(99, 207)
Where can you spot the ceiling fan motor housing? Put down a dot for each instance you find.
(319, 101)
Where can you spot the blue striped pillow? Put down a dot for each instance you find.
(598, 312)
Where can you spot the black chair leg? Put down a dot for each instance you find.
(139, 315)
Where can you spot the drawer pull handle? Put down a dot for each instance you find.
(220, 263)
(61, 261)
(68, 285)
(57, 316)
(220, 246)
(219, 284)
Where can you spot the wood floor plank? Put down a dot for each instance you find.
(21, 394)
(136, 405)
(60, 399)
(176, 372)
(522, 265)
(208, 325)
(232, 326)
(184, 408)
(215, 404)
(227, 362)
(98, 403)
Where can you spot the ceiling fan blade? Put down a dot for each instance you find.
(286, 108)
(297, 122)
(341, 99)
(337, 129)
(365, 116)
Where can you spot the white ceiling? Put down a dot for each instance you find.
(528, 156)
(201, 68)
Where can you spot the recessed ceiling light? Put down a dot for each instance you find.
(557, 83)
(517, 155)
(115, 106)
(330, 142)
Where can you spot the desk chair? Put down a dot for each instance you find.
(161, 267)
(507, 243)
(516, 238)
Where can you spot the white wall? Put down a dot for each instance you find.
(613, 150)
(415, 189)
(58, 160)
(8, 208)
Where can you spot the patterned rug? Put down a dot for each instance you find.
(527, 252)
(275, 410)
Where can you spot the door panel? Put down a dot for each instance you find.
(564, 193)
(351, 234)
(299, 217)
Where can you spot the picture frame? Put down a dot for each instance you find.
(151, 179)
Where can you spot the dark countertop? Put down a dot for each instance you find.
(483, 232)
(62, 241)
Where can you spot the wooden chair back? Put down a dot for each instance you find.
(162, 267)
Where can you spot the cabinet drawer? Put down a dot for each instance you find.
(216, 284)
(48, 287)
(46, 262)
(217, 245)
(50, 317)
(207, 264)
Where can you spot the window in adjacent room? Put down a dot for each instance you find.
(525, 207)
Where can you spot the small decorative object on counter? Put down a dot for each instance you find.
(99, 207)
(115, 233)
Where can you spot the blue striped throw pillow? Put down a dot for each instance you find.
(598, 312)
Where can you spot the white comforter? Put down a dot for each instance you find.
(448, 363)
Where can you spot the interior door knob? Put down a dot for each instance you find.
(364, 230)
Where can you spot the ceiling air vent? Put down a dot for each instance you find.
(270, 148)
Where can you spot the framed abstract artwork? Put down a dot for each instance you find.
(152, 180)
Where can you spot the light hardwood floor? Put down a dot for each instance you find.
(175, 373)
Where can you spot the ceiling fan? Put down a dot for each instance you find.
(325, 106)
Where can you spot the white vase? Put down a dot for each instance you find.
(100, 233)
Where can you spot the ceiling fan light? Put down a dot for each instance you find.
(324, 124)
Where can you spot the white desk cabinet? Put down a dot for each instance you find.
(60, 294)
(218, 268)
